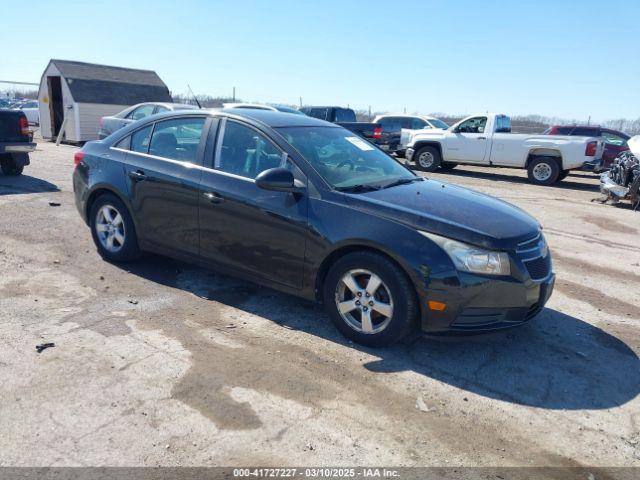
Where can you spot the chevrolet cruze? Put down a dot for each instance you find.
(306, 207)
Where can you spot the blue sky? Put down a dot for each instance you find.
(557, 58)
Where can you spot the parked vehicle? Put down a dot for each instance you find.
(615, 142)
(622, 181)
(259, 106)
(31, 110)
(110, 124)
(307, 207)
(487, 140)
(392, 126)
(346, 118)
(16, 141)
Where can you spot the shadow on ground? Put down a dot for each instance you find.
(556, 361)
(564, 184)
(20, 184)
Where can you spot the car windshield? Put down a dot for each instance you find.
(344, 160)
(438, 123)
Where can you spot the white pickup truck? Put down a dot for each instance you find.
(487, 140)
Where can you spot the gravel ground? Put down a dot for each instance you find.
(163, 363)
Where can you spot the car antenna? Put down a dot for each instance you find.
(194, 96)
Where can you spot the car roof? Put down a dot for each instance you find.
(275, 119)
(407, 115)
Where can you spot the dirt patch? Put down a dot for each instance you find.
(587, 268)
(598, 299)
(609, 224)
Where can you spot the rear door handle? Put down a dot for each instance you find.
(482, 138)
(213, 197)
(137, 176)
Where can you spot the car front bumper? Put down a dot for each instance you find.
(481, 305)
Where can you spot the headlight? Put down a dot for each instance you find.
(468, 258)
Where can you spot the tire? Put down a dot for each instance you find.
(427, 159)
(10, 167)
(446, 166)
(392, 309)
(124, 243)
(563, 175)
(543, 171)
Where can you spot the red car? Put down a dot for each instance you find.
(615, 142)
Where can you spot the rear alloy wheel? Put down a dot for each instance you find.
(370, 299)
(543, 171)
(112, 229)
(9, 166)
(427, 159)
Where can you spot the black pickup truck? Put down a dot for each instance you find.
(16, 141)
(346, 118)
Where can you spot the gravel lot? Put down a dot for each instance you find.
(163, 363)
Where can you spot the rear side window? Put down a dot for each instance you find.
(345, 115)
(585, 132)
(245, 152)
(141, 112)
(391, 124)
(177, 139)
(140, 139)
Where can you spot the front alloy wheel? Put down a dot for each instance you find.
(370, 298)
(364, 301)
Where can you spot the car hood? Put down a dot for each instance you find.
(451, 211)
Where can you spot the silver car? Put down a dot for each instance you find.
(110, 124)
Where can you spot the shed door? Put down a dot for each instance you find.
(56, 108)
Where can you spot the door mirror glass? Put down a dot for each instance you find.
(278, 179)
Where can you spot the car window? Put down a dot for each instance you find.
(473, 125)
(585, 132)
(391, 124)
(245, 152)
(140, 139)
(161, 109)
(418, 124)
(345, 115)
(436, 123)
(177, 139)
(141, 112)
(613, 139)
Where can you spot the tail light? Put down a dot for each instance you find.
(77, 158)
(377, 132)
(24, 126)
(591, 149)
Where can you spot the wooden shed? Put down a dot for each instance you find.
(75, 95)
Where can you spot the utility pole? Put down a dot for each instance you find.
(234, 94)
(589, 120)
(369, 112)
(300, 102)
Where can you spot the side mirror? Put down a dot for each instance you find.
(279, 180)
(480, 129)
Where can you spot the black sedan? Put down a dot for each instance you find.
(306, 207)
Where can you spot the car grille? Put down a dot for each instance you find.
(538, 268)
(529, 244)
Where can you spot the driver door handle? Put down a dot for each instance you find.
(482, 138)
(137, 176)
(213, 197)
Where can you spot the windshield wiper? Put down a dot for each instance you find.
(402, 181)
(359, 188)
